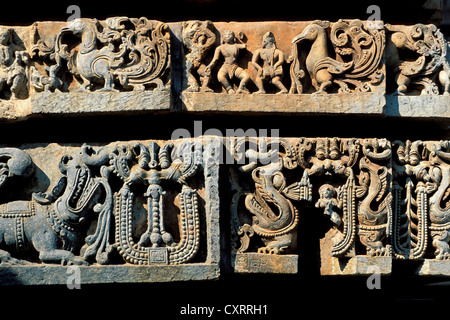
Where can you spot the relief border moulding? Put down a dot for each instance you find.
(176, 244)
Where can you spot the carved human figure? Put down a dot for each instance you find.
(272, 67)
(328, 201)
(12, 64)
(198, 38)
(229, 49)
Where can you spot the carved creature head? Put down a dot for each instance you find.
(6, 37)
(311, 32)
(76, 26)
(82, 189)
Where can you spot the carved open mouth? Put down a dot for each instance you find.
(83, 189)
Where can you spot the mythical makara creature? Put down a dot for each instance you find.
(134, 52)
(417, 56)
(51, 223)
(274, 217)
(358, 60)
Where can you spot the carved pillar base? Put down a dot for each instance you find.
(361, 265)
(265, 263)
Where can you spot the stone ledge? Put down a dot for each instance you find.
(361, 265)
(265, 263)
(363, 103)
(77, 103)
(434, 268)
(418, 106)
(49, 274)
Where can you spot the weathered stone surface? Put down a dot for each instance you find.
(69, 202)
(434, 268)
(263, 263)
(51, 274)
(363, 103)
(102, 102)
(427, 106)
(361, 266)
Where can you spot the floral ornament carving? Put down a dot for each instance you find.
(357, 65)
(417, 59)
(132, 52)
(422, 199)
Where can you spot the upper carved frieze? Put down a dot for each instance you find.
(131, 60)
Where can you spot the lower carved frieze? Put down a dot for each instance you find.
(150, 209)
(147, 204)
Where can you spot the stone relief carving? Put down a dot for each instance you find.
(417, 59)
(229, 51)
(155, 213)
(273, 216)
(134, 53)
(272, 68)
(357, 62)
(422, 207)
(361, 205)
(13, 65)
(198, 38)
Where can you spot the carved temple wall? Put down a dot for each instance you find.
(116, 177)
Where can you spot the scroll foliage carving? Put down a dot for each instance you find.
(132, 52)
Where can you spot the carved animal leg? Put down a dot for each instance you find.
(109, 83)
(440, 242)
(323, 87)
(402, 82)
(86, 86)
(277, 245)
(45, 242)
(7, 259)
(371, 239)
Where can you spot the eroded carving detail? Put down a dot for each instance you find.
(273, 218)
(368, 217)
(229, 50)
(357, 63)
(198, 38)
(417, 58)
(13, 65)
(132, 52)
(422, 199)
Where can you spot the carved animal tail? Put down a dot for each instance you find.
(341, 247)
(98, 243)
